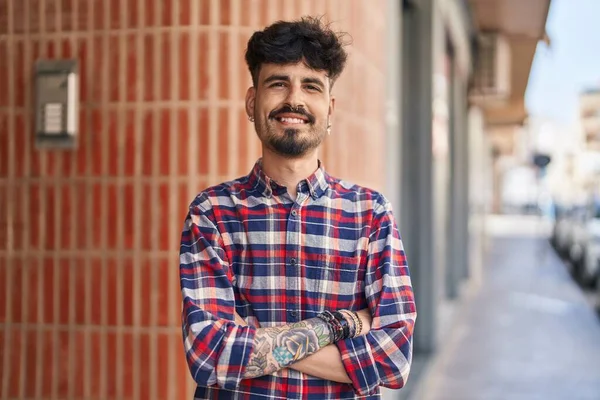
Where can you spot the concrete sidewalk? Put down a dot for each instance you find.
(526, 333)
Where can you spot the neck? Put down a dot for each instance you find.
(289, 171)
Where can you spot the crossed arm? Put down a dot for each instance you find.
(303, 346)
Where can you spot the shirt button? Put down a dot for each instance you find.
(294, 213)
(293, 313)
(293, 261)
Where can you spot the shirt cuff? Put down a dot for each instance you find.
(357, 358)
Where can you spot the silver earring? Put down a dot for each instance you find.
(329, 129)
(251, 119)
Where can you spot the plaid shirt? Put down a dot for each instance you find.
(248, 247)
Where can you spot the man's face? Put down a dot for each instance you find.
(291, 106)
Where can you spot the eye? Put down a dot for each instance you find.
(313, 88)
(277, 84)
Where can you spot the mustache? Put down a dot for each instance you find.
(293, 110)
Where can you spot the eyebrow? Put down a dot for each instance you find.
(286, 78)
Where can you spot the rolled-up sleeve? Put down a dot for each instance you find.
(383, 356)
(217, 349)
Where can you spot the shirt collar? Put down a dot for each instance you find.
(316, 184)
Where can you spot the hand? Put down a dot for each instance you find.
(365, 317)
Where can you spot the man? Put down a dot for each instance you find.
(294, 283)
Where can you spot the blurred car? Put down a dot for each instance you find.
(560, 231)
(588, 268)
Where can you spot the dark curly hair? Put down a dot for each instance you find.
(288, 42)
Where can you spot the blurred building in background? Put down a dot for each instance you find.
(428, 110)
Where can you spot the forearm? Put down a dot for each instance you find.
(281, 346)
(325, 364)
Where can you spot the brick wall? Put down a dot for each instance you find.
(89, 292)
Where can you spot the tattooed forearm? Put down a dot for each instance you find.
(278, 347)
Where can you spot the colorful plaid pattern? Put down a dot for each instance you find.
(247, 246)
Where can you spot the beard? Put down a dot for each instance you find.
(291, 142)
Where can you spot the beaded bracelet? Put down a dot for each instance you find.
(354, 332)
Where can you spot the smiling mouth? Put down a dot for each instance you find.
(290, 120)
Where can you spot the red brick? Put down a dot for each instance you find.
(86, 79)
(163, 291)
(150, 11)
(50, 14)
(127, 279)
(64, 295)
(33, 279)
(3, 295)
(204, 12)
(78, 350)
(47, 348)
(93, 371)
(51, 220)
(98, 215)
(164, 142)
(203, 72)
(129, 153)
(99, 8)
(185, 12)
(49, 48)
(4, 151)
(95, 89)
(80, 154)
(97, 137)
(202, 153)
(15, 359)
(48, 289)
(20, 72)
(146, 292)
(184, 66)
(148, 138)
(223, 78)
(80, 272)
(112, 359)
(96, 294)
(20, 136)
(225, 9)
(113, 62)
(167, 78)
(144, 364)
(82, 224)
(131, 63)
(149, 72)
(128, 223)
(67, 10)
(110, 295)
(3, 17)
(35, 216)
(223, 142)
(182, 205)
(30, 359)
(164, 216)
(183, 135)
(163, 383)
(128, 364)
(113, 138)
(4, 77)
(114, 14)
(19, 227)
(67, 208)
(167, 13)
(148, 220)
(62, 360)
(112, 216)
(133, 17)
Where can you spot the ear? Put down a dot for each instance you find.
(331, 107)
(250, 99)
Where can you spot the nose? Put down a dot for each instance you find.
(295, 97)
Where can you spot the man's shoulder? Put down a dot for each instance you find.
(220, 194)
(356, 192)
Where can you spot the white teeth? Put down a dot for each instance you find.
(292, 120)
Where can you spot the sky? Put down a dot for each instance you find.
(570, 65)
